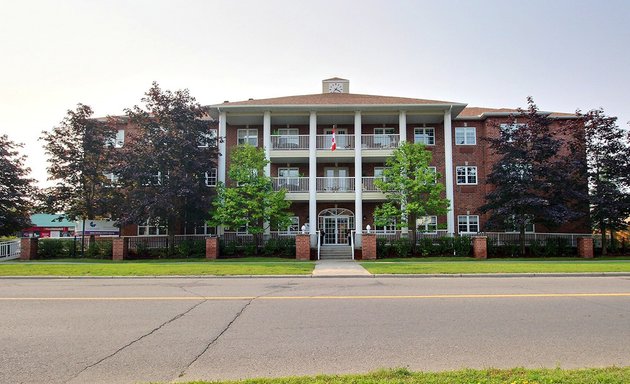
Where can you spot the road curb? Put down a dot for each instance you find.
(375, 276)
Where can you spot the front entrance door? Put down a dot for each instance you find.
(336, 230)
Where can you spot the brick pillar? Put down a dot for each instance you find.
(585, 247)
(120, 248)
(303, 247)
(480, 247)
(368, 247)
(212, 248)
(28, 248)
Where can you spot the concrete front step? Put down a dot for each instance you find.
(335, 252)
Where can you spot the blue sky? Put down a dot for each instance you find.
(55, 54)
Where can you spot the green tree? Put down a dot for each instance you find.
(16, 189)
(411, 188)
(163, 167)
(250, 201)
(607, 165)
(80, 150)
(531, 183)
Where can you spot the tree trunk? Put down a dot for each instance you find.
(521, 239)
(171, 236)
(602, 228)
(414, 234)
(613, 240)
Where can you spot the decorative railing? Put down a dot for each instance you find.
(344, 142)
(289, 142)
(291, 184)
(501, 238)
(335, 184)
(381, 141)
(369, 185)
(10, 250)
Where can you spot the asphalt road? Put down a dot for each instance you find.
(141, 330)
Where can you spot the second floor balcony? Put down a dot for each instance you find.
(297, 188)
(343, 142)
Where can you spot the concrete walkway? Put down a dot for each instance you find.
(339, 268)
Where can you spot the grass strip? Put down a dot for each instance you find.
(611, 375)
(469, 265)
(156, 268)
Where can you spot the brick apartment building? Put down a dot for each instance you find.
(334, 191)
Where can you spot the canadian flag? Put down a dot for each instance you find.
(333, 145)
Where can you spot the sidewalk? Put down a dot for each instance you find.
(338, 268)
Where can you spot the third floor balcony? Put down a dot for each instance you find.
(298, 145)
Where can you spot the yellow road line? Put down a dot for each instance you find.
(323, 297)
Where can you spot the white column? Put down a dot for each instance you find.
(312, 177)
(358, 180)
(402, 125)
(448, 171)
(267, 140)
(222, 154)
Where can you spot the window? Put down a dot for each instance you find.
(378, 172)
(511, 227)
(112, 177)
(390, 227)
(151, 228)
(427, 224)
(434, 170)
(466, 175)
(248, 136)
(118, 141)
(211, 178)
(205, 229)
(208, 139)
(243, 230)
(468, 224)
(289, 178)
(289, 137)
(294, 227)
(465, 136)
(425, 136)
(382, 137)
(508, 130)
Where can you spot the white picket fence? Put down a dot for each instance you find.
(9, 250)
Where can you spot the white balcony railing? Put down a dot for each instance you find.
(291, 184)
(369, 185)
(384, 141)
(344, 142)
(289, 142)
(335, 184)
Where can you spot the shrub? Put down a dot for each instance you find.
(56, 248)
(445, 246)
(191, 248)
(462, 246)
(536, 248)
(426, 247)
(382, 248)
(402, 247)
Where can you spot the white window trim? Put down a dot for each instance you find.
(387, 229)
(205, 138)
(424, 129)
(466, 175)
(432, 222)
(211, 178)
(249, 133)
(160, 229)
(467, 223)
(465, 129)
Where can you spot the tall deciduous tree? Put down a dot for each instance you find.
(411, 188)
(530, 183)
(80, 150)
(607, 164)
(16, 189)
(163, 167)
(250, 200)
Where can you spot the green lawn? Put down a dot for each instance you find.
(468, 376)
(469, 265)
(163, 267)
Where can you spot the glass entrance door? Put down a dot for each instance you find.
(336, 230)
